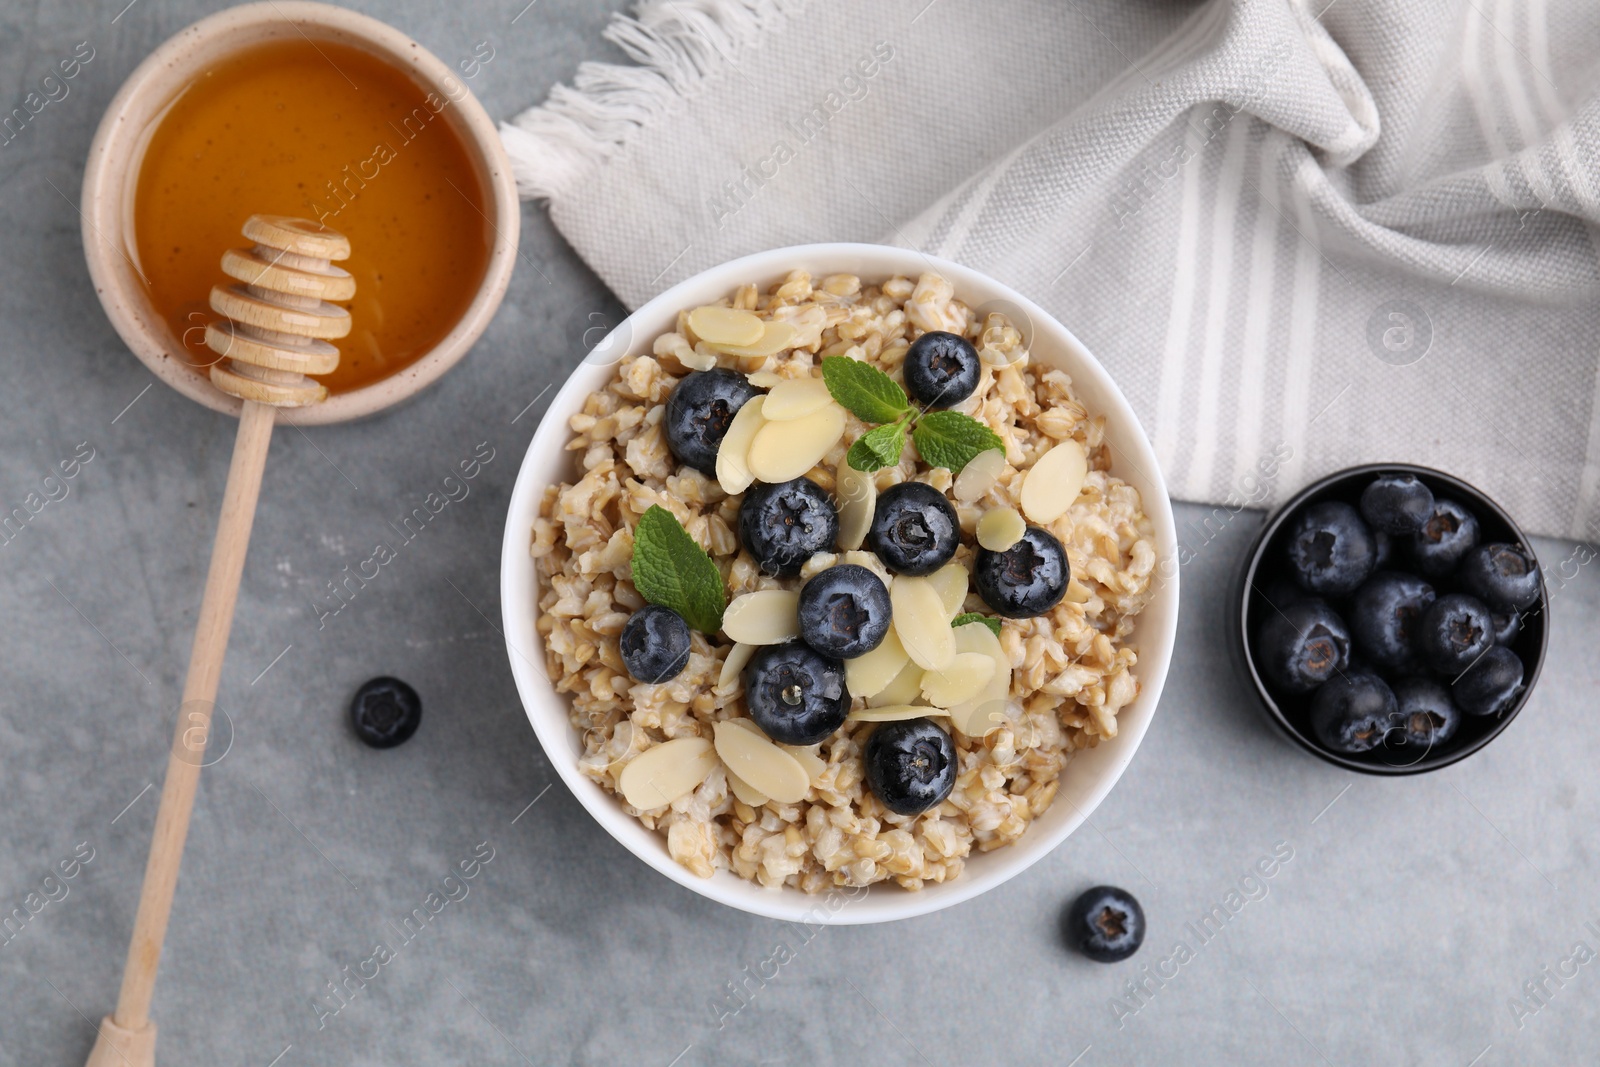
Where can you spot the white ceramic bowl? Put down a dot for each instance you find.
(1089, 775)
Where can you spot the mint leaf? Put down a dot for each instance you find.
(950, 439)
(973, 616)
(879, 447)
(868, 393)
(671, 570)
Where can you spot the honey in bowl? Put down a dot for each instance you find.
(328, 132)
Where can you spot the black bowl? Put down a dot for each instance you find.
(1264, 563)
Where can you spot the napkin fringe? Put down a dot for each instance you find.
(677, 47)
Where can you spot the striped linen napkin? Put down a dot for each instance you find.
(1300, 234)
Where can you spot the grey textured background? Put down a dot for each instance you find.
(1409, 915)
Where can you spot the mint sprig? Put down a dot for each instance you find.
(973, 616)
(671, 570)
(944, 438)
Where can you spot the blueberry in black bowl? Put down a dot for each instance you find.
(1025, 580)
(654, 644)
(1353, 712)
(699, 411)
(1303, 645)
(844, 611)
(1105, 923)
(1507, 625)
(910, 765)
(1502, 576)
(1397, 503)
(795, 694)
(1455, 631)
(1331, 551)
(385, 712)
(941, 369)
(914, 529)
(783, 525)
(1427, 713)
(1490, 683)
(1448, 535)
(1384, 616)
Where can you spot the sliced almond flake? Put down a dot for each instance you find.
(894, 713)
(870, 674)
(742, 789)
(726, 326)
(733, 665)
(776, 337)
(963, 680)
(858, 498)
(808, 758)
(782, 451)
(1054, 481)
(660, 775)
(733, 472)
(765, 379)
(1000, 528)
(921, 622)
(988, 710)
(762, 764)
(906, 688)
(697, 358)
(979, 475)
(765, 617)
(951, 582)
(795, 398)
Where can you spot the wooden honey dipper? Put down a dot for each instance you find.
(279, 323)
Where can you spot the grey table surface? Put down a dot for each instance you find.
(1410, 919)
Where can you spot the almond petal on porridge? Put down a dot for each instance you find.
(951, 582)
(814, 764)
(660, 775)
(733, 470)
(742, 789)
(979, 475)
(964, 679)
(906, 688)
(1054, 481)
(858, 497)
(1000, 528)
(766, 767)
(894, 713)
(921, 622)
(775, 337)
(726, 326)
(795, 398)
(765, 617)
(986, 710)
(732, 665)
(870, 674)
(783, 451)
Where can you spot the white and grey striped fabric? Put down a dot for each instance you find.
(1301, 235)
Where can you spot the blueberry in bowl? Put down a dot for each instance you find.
(1444, 637)
(914, 529)
(783, 525)
(844, 611)
(699, 411)
(795, 693)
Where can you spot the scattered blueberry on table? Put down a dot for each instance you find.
(1105, 923)
(385, 712)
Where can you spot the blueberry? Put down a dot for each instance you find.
(941, 369)
(844, 611)
(1397, 503)
(655, 644)
(795, 693)
(1027, 579)
(914, 528)
(1502, 576)
(1489, 686)
(1331, 551)
(1300, 646)
(1353, 713)
(1385, 549)
(783, 525)
(910, 765)
(1450, 533)
(1106, 924)
(385, 712)
(1426, 713)
(698, 413)
(1506, 626)
(1455, 631)
(1384, 616)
